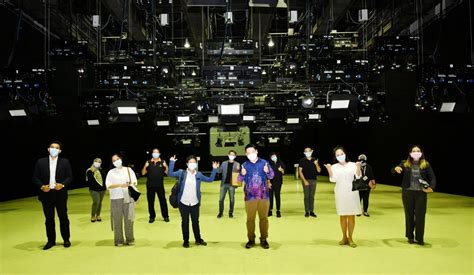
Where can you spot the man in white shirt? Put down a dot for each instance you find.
(52, 175)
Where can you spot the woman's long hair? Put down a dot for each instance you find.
(409, 161)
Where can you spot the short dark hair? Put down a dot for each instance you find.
(155, 149)
(56, 142)
(273, 153)
(251, 145)
(334, 153)
(190, 157)
(232, 151)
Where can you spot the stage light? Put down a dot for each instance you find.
(314, 116)
(340, 104)
(273, 140)
(307, 102)
(447, 107)
(364, 119)
(186, 44)
(183, 118)
(271, 43)
(193, 73)
(293, 120)
(125, 111)
(17, 113)
(212, 119)
(232, 109)
(93, 122)
(162, 121)
(264, 72)
(249, 118)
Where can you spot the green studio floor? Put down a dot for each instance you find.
(298, 244)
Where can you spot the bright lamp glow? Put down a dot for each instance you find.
(127, 110)
(248, 118)
(340, 104)
(18, 112)
(447, 107)
(314, 116)
(93, 122)
(364, 119)
(271, 43)
(233, 109)
(183, 119)
(293, 120)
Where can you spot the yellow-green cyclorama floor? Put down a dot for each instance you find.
(298, 244)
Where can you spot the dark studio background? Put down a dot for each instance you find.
(447, 139)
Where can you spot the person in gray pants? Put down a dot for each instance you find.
(227, 168)
(308, 170)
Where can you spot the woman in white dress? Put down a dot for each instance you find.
(347, 201)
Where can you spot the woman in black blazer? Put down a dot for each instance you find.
(418, 180)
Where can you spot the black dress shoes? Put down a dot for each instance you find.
(186, 244)
(278, 214)
(264, 244)
(152, 220)
(67, 244)
(48, 245)
(201, 242)
(312, 214)
(167, 219)
(249, 244)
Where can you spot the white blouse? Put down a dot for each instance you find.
(119, 176)
(189, 196)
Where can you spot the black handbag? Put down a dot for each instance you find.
(359, 185)
(132, 190)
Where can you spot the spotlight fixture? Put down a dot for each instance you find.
(186, 44)
(271, 44)
(363, 119)
(162, 121)
(183, 119)
(447, 107)
(18, 113)
(93, 122)
(307, 102)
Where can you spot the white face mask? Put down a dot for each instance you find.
(341, 158)
(308, 154)
(118, 163)
(192, 165)
(274, 158)
(96, 164)
(231, 157)
(252, 156)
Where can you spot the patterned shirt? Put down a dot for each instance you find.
(255, 179)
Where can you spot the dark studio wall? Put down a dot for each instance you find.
(447, 139)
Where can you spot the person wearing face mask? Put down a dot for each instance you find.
(52, 176)
(95, 180)
(227, 168)
(368, 177)
(155, 169)
(308, 169)
(189, 196)
(256, 172)
(418, 180)
(122, 206)
(343, 174)
(279, 168)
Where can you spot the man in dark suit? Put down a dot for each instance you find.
(53, 175)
